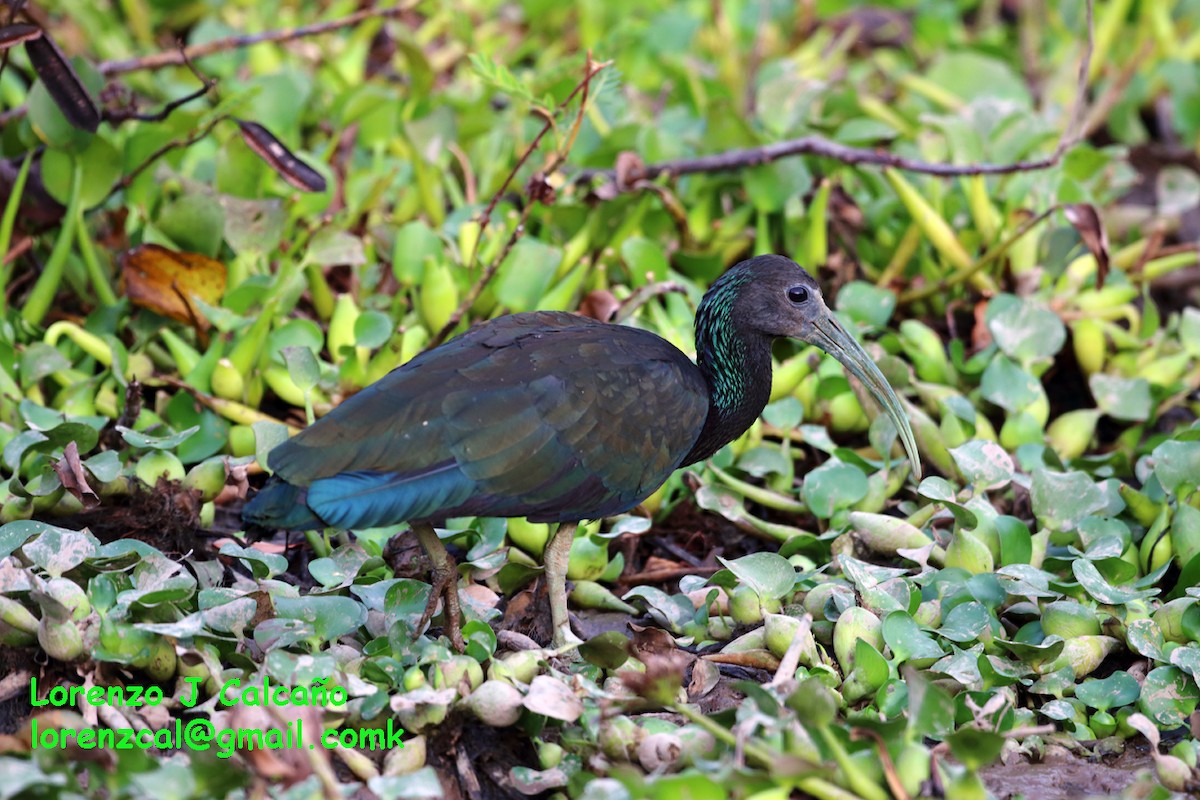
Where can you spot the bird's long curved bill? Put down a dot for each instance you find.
(830, 336)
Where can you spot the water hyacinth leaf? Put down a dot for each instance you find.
(974, 747)
(866, 304)
(14, 534)
(1049, 649)
(1061, 500)
(770, 575)
(965, 622)
(1187, 658)
(931, 708)
(1126, 399)
(1007, 385)
(984, 464)
(870, 664)
(1028, 331)
(372, 329)
(422, 784)
(1094, 583)
(526, 273)
(195, 222)
(146, 441)
(833, 486)
(339, 568)
(62, 82)
(1118, 689)
(331, 247)
(1059, 710)
(1169, 695)
(267, 435)
(168, 281)
(262, 565)
(480, 640)
(961, 665)
(1177, 464)
(58, 550)
(302, 367)
(1016, 542)
(906, 639)
(671, 611)
(293, 170)
(405, 601)
(940, 490)
(1145, 638)
(330, 616)
(608, 650)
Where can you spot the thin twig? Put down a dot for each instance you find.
(179, 56)
(643, 296)
(825, 148)
(1000, 249)
(591, 69)
(176, 57)
(188, 141)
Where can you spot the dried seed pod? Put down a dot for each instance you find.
(13, 35)
(283, 161)
(63, 83)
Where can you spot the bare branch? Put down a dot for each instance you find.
(826, 148)
(178, 57)
(591, 69)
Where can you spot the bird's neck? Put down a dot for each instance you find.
(736, 364)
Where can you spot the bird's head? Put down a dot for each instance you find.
(775, 297)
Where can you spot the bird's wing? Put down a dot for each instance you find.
(545, 414)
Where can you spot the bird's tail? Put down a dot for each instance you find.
(282, 505)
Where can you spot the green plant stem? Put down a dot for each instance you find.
(7, 223)
(100, 285)
(996, 252)
(759, 756)
(859, 784)
(42, 296)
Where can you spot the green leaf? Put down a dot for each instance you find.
(1008, 386)
(984, 464)
(1027, 331)
(1125, 399)
(302, 367)
(526, 274)
(833, 486)
(262, 565)
(770, 575)
(1090, 579)
(58, 550)
(170, 442)
(1061, 500)
(868, 305)
(329, 616)
(608, 650)
(372, 329)
(1118, 689)
(1169, 695)
(1177, 464)
(906, 639)
(645, 260)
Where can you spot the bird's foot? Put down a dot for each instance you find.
(566, 643)
(445, 588)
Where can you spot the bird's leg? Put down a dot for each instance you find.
(558, 553)
(445, 585)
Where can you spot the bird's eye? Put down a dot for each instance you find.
(798, 294)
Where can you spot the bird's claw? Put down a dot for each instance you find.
(445, 588)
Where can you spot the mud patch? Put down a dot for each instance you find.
(1062, 776)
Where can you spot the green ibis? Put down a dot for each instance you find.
(555, 417)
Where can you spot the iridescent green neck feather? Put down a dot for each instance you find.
(735, 360)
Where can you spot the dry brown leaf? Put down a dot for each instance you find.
(73, 478)
(599, 304)
(1086, 221)
(165, 281)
